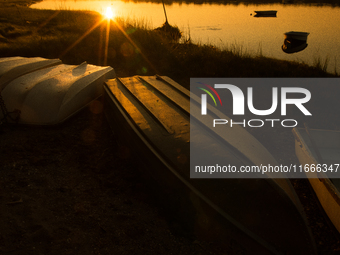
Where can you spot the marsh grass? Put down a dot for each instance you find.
(335, 64)
(140, 23)
(133, 47)
(238, 50)
(321, 63)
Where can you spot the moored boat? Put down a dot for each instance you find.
(269, 13)
(50, 95)
(302, 36)
(294, 42)
(319, 152)
(151, 116)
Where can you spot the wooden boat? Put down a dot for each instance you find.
(319, 149)
(289, 46)
(294, 42)
(302, 36)
(270, 13)
(50, 95)
(13, 67)
(151, 117)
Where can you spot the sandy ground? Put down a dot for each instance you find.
(72, 189)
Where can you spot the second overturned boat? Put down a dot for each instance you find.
(151, 116)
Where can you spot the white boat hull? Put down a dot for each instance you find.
(50, 95)
(14, 67)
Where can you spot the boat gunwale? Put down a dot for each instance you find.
(322, 177)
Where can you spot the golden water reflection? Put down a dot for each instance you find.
(234, 26)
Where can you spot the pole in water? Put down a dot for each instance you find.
(166, 18)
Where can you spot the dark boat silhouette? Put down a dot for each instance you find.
(270, 13)
(294, 42)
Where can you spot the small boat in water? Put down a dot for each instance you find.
(294, 42)
(270, 13)
(151, 118)
(319, 151)
(49, 94)
(302, 36)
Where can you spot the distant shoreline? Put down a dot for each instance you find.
(13, 3)
(246, 2)
(334, 3)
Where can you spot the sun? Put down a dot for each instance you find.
(109, 13)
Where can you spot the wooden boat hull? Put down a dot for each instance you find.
(326, 189)
(50, 95)
(249, 216)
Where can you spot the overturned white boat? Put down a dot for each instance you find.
(13, 67)
(50, 95)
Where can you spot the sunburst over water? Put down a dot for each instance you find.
(234, 26)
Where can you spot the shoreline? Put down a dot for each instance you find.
(28, 3)
(14, 3)
(258, 46)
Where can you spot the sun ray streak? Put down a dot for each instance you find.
(81, 38)
(107, 41)
(48, 20)
(136, 47)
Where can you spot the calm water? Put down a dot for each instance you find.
(232, 25)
